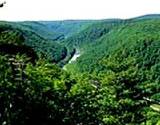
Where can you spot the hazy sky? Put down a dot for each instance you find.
(76, 9)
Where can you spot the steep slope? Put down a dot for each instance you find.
(11, 33)
(125, 36)
(115, 81)
(92, 32)
(44, 36)
(55, 30)
(146, 17)
(125, 62)
(82, 40)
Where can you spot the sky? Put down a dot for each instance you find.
(22, 10)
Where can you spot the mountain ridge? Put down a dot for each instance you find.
(103, 72)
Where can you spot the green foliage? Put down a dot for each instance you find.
(135, 36)
(91, 33)
(115, 81)
(11, 33)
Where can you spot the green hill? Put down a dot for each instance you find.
(92, 33)
(55, 30)
(45, 36)
(13, 33)
(111, 72)
(126, 59)
(126, 35)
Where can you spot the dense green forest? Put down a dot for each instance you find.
(114, 80)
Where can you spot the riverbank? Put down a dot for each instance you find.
(74, 58)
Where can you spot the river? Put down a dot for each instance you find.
(74, 58)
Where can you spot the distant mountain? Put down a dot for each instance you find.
(148, 16)
(91, 33)
(58, 40)
(17, 34)
(108, 73)
(56, 30)
(111, 37)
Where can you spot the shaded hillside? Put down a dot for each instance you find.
(92, 33)
(125, 36)
(125, 63)
(112, 79)
(146, 17)
(55, 30)
(11, 33)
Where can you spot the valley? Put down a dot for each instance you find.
(80, 72)
(75, 56)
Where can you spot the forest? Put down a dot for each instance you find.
(115, 80)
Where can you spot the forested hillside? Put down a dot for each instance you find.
(125, 36)
(12, 33)
(114, 80)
